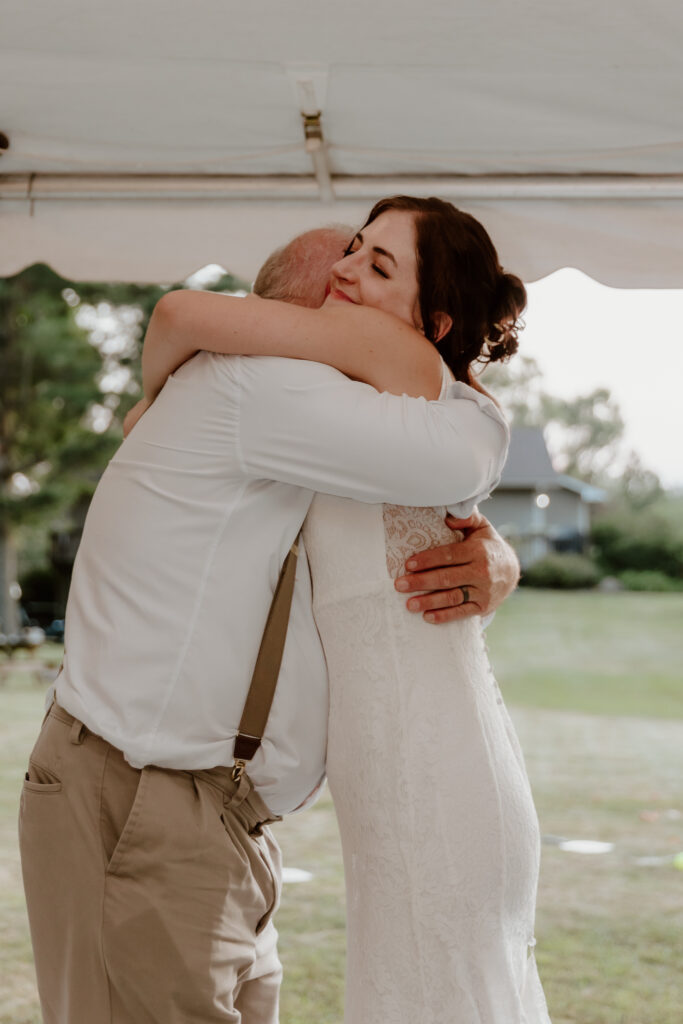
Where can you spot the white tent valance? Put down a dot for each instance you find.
(621, 242)
(148, 140)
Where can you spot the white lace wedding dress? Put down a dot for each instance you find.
(439, 831)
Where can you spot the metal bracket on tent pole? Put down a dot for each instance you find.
(309, 89)
(316, 147)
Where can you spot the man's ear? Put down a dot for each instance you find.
(442, 324)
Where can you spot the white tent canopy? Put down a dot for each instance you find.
(146, 140)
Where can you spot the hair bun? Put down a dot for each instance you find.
(501, 341)
(510, 301)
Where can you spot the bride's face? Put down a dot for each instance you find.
(379, 268)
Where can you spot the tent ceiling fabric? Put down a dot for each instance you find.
(438, 90)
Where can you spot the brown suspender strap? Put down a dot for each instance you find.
(267, 668)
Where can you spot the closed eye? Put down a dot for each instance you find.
(349, 251)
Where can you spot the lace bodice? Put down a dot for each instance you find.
(407, 530)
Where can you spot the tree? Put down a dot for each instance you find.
(584, 434)
(48, 384)
(518, 386)
(70, 371)
(639, 486)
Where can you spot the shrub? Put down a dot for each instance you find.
(650, 579)
(562, 572)
(644, 543)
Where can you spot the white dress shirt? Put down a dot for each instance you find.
(187, 531)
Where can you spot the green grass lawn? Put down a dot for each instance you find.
(605, 654)
(594, 685)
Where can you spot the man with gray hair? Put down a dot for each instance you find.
(151, 875)
(299, 272)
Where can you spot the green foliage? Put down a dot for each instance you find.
(646, 542)
(41, 595)
(638, 486)
(48, 385)
(650, 580)
(562, 572)
(589, 429)
(584, 434)
(669, 507)
(518, 385)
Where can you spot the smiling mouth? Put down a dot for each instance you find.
(336, 294)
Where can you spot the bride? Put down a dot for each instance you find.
(439, 832)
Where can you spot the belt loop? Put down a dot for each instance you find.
(77, 732)
(243, 790)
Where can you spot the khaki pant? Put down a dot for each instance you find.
(150, 893)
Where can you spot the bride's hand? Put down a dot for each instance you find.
(134, 414)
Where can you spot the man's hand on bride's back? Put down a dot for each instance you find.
(468, 577)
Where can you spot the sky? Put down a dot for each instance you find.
(585, 335)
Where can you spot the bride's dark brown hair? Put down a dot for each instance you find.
(458, 273)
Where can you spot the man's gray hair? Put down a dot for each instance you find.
(299, 271)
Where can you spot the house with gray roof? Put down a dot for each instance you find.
(537, 509)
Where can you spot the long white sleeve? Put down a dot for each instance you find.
(307, 424)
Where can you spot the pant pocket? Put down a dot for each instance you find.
(45, 763)
(123, 793)
(272, 860)
(41, 780)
